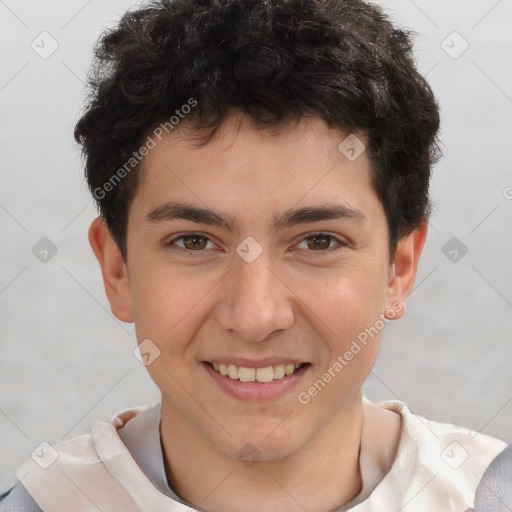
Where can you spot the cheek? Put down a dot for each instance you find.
(167, 299)
(345, 299)
(170, 308)
(168, 311)
(349, 317)
(348, 306)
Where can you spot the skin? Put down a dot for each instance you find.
(292, 301)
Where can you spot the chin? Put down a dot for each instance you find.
(259, 445)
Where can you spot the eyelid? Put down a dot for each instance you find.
(170, 242)
(340, 241)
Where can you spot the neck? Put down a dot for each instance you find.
(322, 475)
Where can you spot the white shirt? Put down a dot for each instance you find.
(119, 466)
(141, 436)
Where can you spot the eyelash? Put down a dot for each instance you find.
(341, 243)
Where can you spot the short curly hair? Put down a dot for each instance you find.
(340, 60)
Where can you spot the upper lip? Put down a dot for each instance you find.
(251, 363)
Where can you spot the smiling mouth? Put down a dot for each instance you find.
(266, 374)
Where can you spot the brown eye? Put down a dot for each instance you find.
(191, 243)
(321, 242)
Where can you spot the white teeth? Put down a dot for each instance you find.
(289, 369)
(266, 374)
(246, 374)
(279, 372)
(232, 371)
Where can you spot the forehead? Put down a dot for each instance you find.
(244, 167)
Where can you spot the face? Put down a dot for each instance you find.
(261, 252)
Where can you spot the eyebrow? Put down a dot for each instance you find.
(173, 210)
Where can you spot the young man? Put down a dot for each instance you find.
(262, 171)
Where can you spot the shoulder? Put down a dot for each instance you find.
(447, 440)
(18, 499)
(62, 476)
(452, 464)
(494, 493)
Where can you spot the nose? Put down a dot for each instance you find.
(256, 301)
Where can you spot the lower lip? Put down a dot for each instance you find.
(256, 391)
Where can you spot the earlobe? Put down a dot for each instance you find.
(402, 273)
(114, 270)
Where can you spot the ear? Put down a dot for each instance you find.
(402, 273)
(113, 269)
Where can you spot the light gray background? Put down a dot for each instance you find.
(66, 361)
